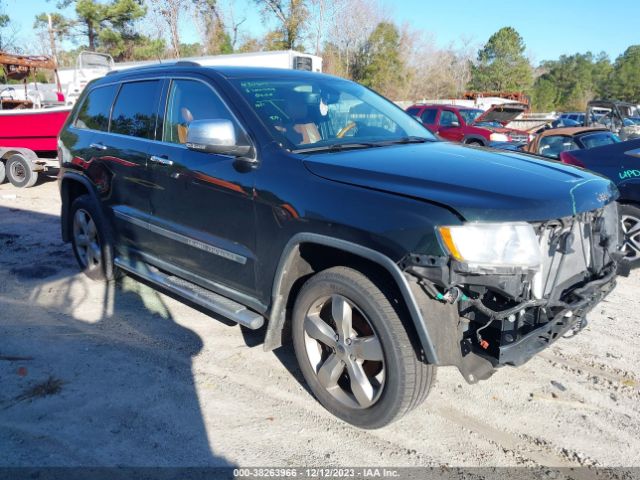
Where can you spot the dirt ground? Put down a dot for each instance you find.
(102, 375)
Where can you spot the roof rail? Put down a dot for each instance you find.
(179, 63)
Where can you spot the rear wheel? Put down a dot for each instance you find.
(630, 220)
(20, 172)
(91, 240)
(2, 172)
(354, 351)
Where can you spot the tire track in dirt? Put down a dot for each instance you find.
(521, 447)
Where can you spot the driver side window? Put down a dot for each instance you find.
(448, 119)
(191, 100)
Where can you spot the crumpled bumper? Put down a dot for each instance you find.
(571, 318)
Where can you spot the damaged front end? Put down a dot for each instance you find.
(482, 315)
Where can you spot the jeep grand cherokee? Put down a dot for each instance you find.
(299, 199)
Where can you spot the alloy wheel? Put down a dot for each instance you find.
(631, 241)
(86, 240)
(344, 351)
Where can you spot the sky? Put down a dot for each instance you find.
(550, 28)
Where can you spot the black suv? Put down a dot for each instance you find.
(304, 200)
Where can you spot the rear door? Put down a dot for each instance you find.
(429, 117)
(204, 202)
(124, 152)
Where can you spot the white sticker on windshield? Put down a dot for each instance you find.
(324, 108)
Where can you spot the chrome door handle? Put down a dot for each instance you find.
(160, 160)
(98, 146)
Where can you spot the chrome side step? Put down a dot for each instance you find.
(194, 293)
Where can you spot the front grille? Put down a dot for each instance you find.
(516, 137)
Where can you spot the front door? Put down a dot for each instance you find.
(449, 126)
(204, 203)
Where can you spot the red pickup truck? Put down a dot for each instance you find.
(472, 125)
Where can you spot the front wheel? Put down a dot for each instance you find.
(354, 351)
(630, 220)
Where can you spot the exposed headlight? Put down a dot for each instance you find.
(498, 137)
(493, 244)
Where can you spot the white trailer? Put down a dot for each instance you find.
(289, 59)
(91, 65)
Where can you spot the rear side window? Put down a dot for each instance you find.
(94, 112)
(413, 111)
(135, 111)
(429, 116)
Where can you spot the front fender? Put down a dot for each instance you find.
(277, 313)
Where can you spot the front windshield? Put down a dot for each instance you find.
(470, 115)
(311, 113)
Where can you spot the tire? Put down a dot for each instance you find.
(3, 175)
(91, 240)
(475, 143)
(394, 379)
(630, 224)
(20, 172)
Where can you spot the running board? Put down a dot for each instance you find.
(194, 293)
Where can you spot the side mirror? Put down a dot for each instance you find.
(455, 123)
(215, 136)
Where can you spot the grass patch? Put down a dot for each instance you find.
(50, 386)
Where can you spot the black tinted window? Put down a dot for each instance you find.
(192, 100)
(429, 116)
(94, 112)
(134, 112)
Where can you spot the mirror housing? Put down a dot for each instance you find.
(216, 136)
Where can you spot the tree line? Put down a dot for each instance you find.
(355, 38)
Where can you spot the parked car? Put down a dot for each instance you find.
(601, 151)
(296, 198)
(617, 161)
(621, 118)
(551, 143)
(471, 125)
(577, 117)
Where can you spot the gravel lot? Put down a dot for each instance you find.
(101, 375)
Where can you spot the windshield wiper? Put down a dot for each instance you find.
(337, 147)
(412, 139)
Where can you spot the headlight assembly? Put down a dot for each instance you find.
(499, 137)
(492, 244)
